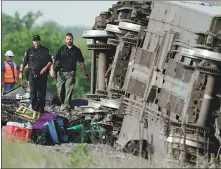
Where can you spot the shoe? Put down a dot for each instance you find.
(30, 107)
(41, 111)
(67, 110)
(30, 110)
(61, 108)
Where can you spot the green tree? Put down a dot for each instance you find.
(7, 24)
(16, 23)
(19, 39)
(30, 18)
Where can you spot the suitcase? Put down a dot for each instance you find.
(78, 102)
(62, 132)
(42, 133)
(39, 123)
(57, 130)
(42, 137)
(50, 126)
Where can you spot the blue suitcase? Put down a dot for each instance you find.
(61, 130)
(57, 130)
(50, 126)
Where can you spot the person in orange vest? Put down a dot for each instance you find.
(9, 72)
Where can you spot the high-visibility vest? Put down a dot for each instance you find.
(9, 76)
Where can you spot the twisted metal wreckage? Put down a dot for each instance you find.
(156, 90)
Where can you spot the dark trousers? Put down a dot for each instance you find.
(8, 86)
(26, 72)
(38, 87)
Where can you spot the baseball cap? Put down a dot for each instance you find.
(36, 37)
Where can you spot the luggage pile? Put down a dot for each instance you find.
(50, 129)
(47, 128)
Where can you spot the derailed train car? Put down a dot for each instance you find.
(178, 68)
(158, 78)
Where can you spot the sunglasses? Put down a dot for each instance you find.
(10, 56)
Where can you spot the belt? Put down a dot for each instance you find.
(66, 70)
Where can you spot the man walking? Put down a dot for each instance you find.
(9, 71)
(65, 70)
(39, 61)
(26, 72)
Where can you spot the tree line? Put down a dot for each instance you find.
(17, 33)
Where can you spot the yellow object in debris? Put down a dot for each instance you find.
(27, 113)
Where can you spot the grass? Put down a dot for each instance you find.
(25, 155)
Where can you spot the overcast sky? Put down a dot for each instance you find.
(67, 13)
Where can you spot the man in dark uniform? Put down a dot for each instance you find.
(39, 61)
(26, 72)
(65, 62)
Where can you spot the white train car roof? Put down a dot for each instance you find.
(207, 8)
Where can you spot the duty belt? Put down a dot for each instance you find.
(62, 70)
(35, 73)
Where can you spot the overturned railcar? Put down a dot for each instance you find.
(174, 83)
(159, 74)
(113, 39)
